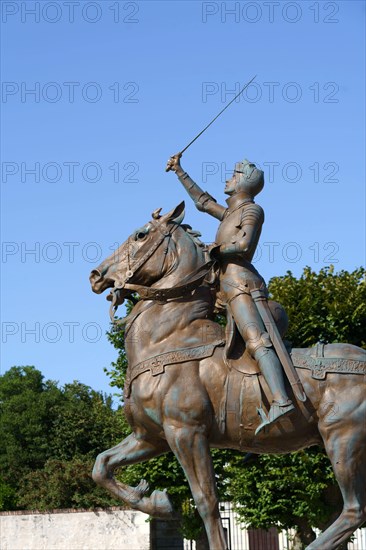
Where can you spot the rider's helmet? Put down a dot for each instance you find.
(251, 180)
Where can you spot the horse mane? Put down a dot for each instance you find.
(187, 228)
(193, 234)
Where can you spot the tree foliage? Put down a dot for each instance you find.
(28, 411)
(325, 306)
(49, 438)
(62, 484)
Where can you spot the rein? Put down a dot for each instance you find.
(160, 294)
(164, 294)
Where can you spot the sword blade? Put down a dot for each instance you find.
(280, 348)
(217, 116)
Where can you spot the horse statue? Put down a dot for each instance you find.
(186, 391)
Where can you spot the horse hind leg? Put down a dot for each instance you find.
(345, 442)
(130, 451)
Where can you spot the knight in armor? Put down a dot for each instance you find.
(235, 244)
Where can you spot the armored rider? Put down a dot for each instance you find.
(236, 241)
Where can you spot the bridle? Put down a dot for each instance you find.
(190, 283)
(135, 266)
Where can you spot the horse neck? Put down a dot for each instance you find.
(171, 323)
(185, 258)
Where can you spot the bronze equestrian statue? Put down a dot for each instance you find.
(190, 387)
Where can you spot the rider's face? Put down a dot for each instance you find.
(230, 185)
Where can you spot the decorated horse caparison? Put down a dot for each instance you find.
(191, 386)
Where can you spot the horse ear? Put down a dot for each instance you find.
(175, 216)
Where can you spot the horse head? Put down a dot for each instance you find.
(162, 249)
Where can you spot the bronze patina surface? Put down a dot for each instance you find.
(191, 386)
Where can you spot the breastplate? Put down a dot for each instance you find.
(229, 228)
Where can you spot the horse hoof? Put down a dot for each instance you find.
(142, 487)
(161, 505)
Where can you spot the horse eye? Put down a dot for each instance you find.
(140, 235)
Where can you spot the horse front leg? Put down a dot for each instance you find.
(190, 446)
(130, 451)
(188, 416)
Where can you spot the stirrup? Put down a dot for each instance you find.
(277, 411)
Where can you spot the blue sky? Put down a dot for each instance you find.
(120, 86)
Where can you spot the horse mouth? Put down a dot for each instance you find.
(99, 283)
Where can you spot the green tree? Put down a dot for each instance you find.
(8, 497)
(85, 423)
(62, 484)
(325, 306)
(27, 406)
(49, 438)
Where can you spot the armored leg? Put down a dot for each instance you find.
(272, 371)
(259, 345)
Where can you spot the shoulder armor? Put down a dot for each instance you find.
(252, 214)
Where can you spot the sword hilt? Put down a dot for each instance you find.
(179, 155)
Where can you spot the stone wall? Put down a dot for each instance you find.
(113, 529)
(118, 529)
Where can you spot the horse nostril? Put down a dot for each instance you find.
(95, 274)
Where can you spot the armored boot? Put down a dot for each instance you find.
(273, 374)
